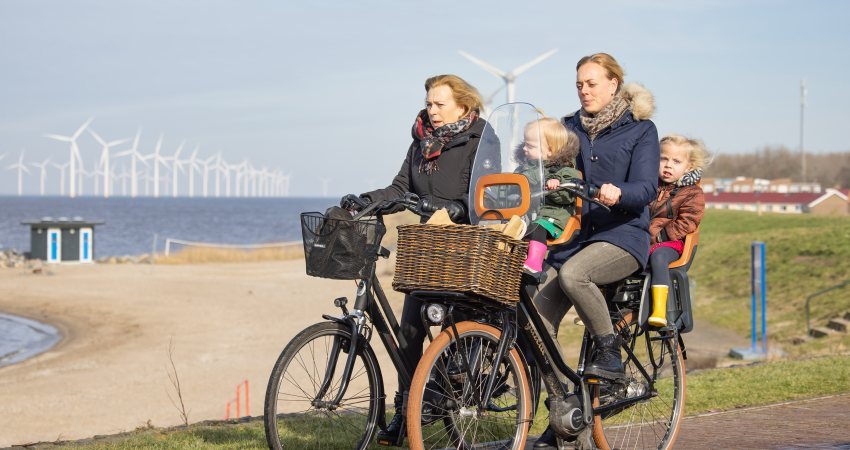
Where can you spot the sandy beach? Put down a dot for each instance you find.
(227, 322)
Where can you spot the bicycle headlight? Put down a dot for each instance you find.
(436, 313)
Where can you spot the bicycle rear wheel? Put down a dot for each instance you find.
(657, 369)
(445, 408)
(298, 415)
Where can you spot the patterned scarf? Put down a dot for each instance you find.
(594, 125)
(432, 141)
(690, 178)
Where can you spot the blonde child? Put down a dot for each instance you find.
(675, 213)
(546, 139)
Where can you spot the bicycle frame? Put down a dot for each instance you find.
(524, 326)
(383, 320)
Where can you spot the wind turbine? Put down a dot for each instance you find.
(43, 166)
(74, 153)
(61, 168)
(176, 165)
(218, 168)
(134, 155)
(207, 163)
(21, 169)
(194, 165)
(104, 160)
(511, 76)
(157, 160)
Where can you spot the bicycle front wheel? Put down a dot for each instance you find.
(299, 410)
(656, 372)
(445, 408)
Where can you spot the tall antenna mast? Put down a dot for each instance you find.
(802, 115)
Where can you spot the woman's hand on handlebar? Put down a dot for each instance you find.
(429, 205)
(353, 202)
(609, 195)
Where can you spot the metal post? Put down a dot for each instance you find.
(763, 283)
(753, 289)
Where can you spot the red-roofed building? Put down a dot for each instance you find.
(831, 201)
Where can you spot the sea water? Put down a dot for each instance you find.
(133, 226)
(22, 338)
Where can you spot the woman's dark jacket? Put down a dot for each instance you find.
(449, 182)
(626, 154)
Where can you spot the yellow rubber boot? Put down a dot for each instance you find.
(659, 306)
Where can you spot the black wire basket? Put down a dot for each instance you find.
(340, 249)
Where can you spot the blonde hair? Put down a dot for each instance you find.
(698, 156)
(463, 93)
(563, 143)
(611, 66)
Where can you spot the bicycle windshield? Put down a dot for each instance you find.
(507, 174)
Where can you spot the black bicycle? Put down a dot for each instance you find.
(326, 389)
(499, 354)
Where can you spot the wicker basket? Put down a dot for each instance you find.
(459, 258)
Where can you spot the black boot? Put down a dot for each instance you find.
(546, 441)
(606, 362)
(394, 428)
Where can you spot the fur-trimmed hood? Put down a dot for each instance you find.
(640, 99)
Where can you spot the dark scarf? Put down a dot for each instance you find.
(594, 125)
(432, 142)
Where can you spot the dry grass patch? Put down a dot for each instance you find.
(203, 255)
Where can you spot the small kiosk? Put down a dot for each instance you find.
(62, 240)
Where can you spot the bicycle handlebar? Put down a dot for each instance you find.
(410, 201)
(580, 188)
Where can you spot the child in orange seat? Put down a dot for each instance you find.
(675, 213)
(547, 140)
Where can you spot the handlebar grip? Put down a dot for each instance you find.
(592, 191)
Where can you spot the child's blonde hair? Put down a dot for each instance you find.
(698, 156)
(563, 143)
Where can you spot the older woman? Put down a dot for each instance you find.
(437, 168)
(620, 155)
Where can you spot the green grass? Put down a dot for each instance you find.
(804, 254)
(707, 390)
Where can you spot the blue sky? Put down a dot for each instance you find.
(329, 89)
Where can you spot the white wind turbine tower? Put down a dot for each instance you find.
(61, 168)
(207, 164)
(43, 172)
(218, 169)
(74, 154)
(511, 76)
(104, 161)
(135, 156)
(123, 176)
(193, 166)
(157, 160)
(325, 182)
(176, 165)
(21, 169)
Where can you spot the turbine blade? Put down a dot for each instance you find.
(516, 72)
(483, 65)
(97, 137)
(83, 127)
(58, 137)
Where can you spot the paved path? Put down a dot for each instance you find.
(821, 423)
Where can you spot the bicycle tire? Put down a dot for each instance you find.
(292, 421)
(463, 425)
(653, 423)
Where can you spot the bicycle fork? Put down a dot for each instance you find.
(356, 320)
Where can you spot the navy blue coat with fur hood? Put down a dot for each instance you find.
(626, 154)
